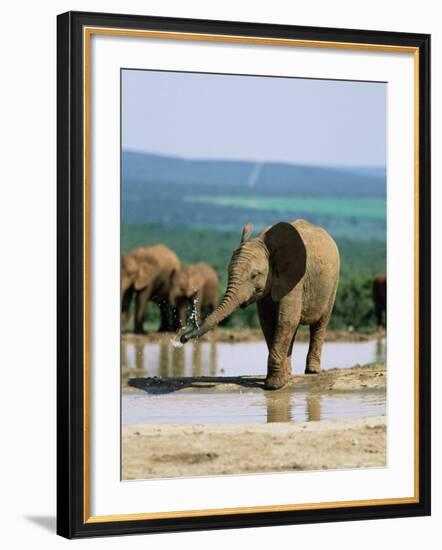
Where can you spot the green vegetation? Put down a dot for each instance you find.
(372, 208)
(360, 262)
(354, 303)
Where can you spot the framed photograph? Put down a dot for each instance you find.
(232, 198)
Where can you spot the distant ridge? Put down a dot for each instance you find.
(267, 178)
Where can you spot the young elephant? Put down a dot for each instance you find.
(197, 286)
(147, 273)
(291, 270)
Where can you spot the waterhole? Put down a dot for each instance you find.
(242, 406)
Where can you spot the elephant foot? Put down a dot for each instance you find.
(275, 381)
(313, 368)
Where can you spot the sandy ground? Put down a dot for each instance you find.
(171, 450)
(254, 335)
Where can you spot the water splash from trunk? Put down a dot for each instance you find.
(194, 313)
(175, 341)
(224, 309)
(193, 318)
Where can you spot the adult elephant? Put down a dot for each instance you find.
(380, 299)
(197, 286)
(147, 273)
(291, 270)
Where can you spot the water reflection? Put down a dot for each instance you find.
(280, 406)
(243, 407)
(247, 358)
(166, 361)
(381, 344)
(313, 407)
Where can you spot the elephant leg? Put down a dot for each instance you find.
(140, 306)
(125, 305)
(317, 335)
(165, 316)
(279, 329)
(267, 315)
(288, 361)
(279, 361)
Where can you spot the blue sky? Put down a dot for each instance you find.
(318, 122)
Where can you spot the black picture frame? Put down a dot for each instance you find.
(71, 519)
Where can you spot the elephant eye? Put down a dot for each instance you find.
(255, 274)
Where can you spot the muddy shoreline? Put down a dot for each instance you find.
(369, 377)
(254, 335)
(183, 450)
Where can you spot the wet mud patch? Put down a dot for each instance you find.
(369, 377)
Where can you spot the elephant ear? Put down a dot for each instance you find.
(246, 232)
(288, 258)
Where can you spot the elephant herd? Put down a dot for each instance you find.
(155, 274)
(290, 270)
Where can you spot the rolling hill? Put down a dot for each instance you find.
(268, 178)
(224, 194)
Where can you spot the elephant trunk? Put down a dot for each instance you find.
(228, 305)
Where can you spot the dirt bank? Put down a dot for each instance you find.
(370, 377)
(162, 451)
(253, 335)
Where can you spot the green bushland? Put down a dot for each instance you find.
(360, 262)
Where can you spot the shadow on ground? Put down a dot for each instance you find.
(169, 385)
